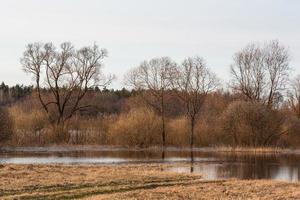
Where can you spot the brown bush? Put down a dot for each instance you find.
(252, 124)
(29, 127)
(139, 127)
(177, 132)
(6, 125)
(292, 138)
(207, 132)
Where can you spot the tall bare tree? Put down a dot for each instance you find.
(63, 76)
(260, 73)
(193, 81)
(152, 79)
(294, 96)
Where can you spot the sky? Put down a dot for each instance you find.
(137, 30)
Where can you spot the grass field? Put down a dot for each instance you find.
(135, 181)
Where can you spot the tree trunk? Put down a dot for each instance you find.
(163, 131)
(192, 138)
(163, 126)
(60, 131)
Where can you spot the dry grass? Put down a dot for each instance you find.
(74, 182)
(225, 190)
(250, 149)
(177, 132)
(135, 181)
(140, 127)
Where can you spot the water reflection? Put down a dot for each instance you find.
(213, 171)
(212, 165)
(225, 166)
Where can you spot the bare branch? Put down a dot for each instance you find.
(67, 73)
(261, 73)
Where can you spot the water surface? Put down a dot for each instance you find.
(211, 165)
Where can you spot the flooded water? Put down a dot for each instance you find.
(211, 165)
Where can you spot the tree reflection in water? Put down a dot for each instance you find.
(211, 165)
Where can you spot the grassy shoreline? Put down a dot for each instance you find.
(226, 149)
(253, 149)
(129, 181)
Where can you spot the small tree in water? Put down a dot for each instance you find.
(152, 80)
(193, 81)
(63, 77)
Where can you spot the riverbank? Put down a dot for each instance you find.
(102, 148)
(216, 149)
(134, 181)
(238, 149)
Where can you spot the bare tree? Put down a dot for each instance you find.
(193, 81)
(252, 124)
(63, 76)
(260, 73)
(152, 79)
(294, 96)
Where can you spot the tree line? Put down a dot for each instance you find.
(259, 107)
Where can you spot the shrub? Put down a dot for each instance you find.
(177, 132)
(6, 125)
(28, 126)
(292, 139)
(139, 127)
(252, 124)
(206, 132)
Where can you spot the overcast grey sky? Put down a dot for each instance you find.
(134, 30)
